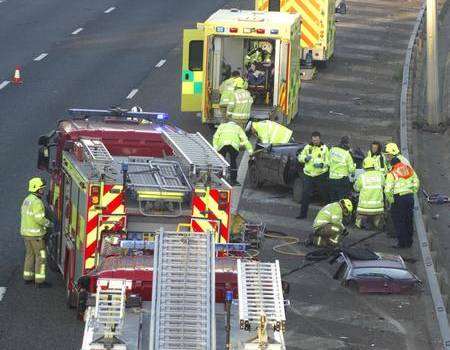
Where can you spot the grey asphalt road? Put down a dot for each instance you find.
(98, 67)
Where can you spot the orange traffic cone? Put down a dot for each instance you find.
(17, 79)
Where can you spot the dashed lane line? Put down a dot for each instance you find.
(132, 93)
(2, 292)
(77, 31)
(160, 63)
(111, 9)
(4, 84)
(41, 57)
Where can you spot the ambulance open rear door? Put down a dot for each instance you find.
(192, 70)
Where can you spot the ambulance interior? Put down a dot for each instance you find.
(263, 74)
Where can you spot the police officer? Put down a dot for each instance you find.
(341, 167)
(269, 132)
(328, 225)
(33, 230)
(371, 200)
(315, 157)
(376, 153)
(401, 185)
(240, 104)
(227, 141)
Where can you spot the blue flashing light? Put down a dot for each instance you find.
(220, 29)
(162, 117)
(274, 31)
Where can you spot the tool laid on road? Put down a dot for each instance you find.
(436, 198)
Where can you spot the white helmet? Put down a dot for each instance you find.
(137, 109)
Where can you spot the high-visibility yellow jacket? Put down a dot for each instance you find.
(401, 179)
(329, 214)
(33, 221)
(240, 105)
(379, 161)
(341, 163)
(370, 187)
(226, 91)
(231, 134)
(401, 159)
(269, 131)
(318, 164)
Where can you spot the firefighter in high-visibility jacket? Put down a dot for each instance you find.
(401, 184)
(371, 199)
(315, 160)
(328, 225)
(33, 229)
(391, 151)
(268, 131)
(341, 167)
(227, 140)
(240, 105)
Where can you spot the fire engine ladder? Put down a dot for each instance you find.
(99, 155)
(196, 152)
(261, 299)
(109, 310)
(183, 315)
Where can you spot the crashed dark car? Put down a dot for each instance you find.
(384, 273)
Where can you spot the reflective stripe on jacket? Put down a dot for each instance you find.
(240, 105)
(33, 221)
(329, 214)
(226, 91)
(319, 155)
(269, 131)
(402, 179)
(341, 163)
(231, 134)
(370, 187)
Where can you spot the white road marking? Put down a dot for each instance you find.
(160, 63)
(2, 1)
(111, 9)
(4, 84)
(2, 292)
(75, 32)
(132, 93)
(41, 57)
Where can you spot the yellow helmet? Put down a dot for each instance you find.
(368, 163)
(266, 46)
(347, 206)
(35, 184)
(239, 83)
(392, 149)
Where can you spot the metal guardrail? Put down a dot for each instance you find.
(438, 302)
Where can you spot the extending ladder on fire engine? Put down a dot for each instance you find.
(97, 152)
(261, 301)
(109, 309)
(183, 315)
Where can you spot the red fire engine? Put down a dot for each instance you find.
(118, 175)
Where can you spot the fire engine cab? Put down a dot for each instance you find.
(118, 175)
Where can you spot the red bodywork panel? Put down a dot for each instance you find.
(139, 269)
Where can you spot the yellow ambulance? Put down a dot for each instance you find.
(226, 42)
(318, 25)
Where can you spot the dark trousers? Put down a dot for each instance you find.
(402, 211)
(339, 188)
(310, 183)
(233, 164)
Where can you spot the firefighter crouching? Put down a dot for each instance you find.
(227, 140)
(240, 104)
(269, 132)
(400, 186)
(33, 229)
(371, 199)
(328, 225)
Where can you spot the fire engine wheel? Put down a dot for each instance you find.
(297, 189)
(255, 181)
(71, 299)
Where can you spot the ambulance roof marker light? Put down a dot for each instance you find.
(248, 30)
(220, 29)
(260, 31)
(274, 31)
(233, 30)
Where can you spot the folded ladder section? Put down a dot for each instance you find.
(260, 293)
(183, 292)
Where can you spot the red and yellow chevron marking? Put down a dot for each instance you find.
(205, 205)
(100, 219)
(310, 12)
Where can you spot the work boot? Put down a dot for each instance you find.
(43, 285)
(28, 281)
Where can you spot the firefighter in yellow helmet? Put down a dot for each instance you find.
(33, 228)
(391, 151)
(328, 225)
